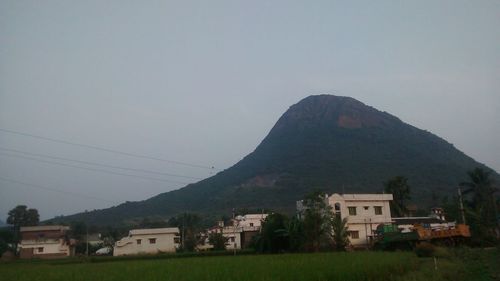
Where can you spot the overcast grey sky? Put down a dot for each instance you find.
(203, 82)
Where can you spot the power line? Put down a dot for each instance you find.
(97, 164)
(56, 190)
(89, 169)
(107, 149)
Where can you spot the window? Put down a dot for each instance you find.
(366, 207)
(231, 239)
(177, 240)
(139, 241)
(152, 240)
(40, 249)
(337, 209)
(354, 234)
(251, 224)
(352, 211)
(378, 210)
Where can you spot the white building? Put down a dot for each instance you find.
(148, 241)
(48, 241)
(239, 233)
(364, 212)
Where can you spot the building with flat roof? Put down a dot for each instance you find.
(364, 212)
(45, 241)
(148, 241)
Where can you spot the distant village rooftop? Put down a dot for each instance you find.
(145, 231)
(44, 228)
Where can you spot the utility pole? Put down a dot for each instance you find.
(234, 233)
(462, 211)
(183, 231)
(87, 241)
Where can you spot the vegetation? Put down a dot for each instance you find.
(320, 266)
(317, 230)
(22, 216)
(218, 241)
(308, 148)
(482, 209)
(454, 265)
(317, 222)
(274, 237)
(400, 190)
(340, 234)
(6, 238)
(189, 226)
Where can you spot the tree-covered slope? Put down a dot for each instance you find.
(336, 144)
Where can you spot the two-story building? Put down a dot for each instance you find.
(364, 212)
(47, 241)
(148, 241)
(239, 232)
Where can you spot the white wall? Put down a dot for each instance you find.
(129, 246)
(49, 247)
(365, 221)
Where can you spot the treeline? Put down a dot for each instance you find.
(315, 229)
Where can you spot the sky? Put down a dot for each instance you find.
(88, 86)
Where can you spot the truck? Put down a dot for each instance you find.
(390, 237)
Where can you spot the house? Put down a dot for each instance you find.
(239, 232)
(48, 241)
(148, 241)
(364, 212)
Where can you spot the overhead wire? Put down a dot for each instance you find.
(89, 169)
(55, 190)
(106, 149)
(96, 164)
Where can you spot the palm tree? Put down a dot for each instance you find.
(483, 204)
(340, 233)
(400, 190)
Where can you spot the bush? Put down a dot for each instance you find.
(425, 249)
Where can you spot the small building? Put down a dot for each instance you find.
(47, 241)
(364, 212)
(148, 241)
(239, 232)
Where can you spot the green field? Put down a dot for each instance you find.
(323, 266)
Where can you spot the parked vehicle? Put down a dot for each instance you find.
(389, 237)
(104, 251)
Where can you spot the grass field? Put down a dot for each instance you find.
(322, 266)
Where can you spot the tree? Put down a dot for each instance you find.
(152, 223)
(189, 226)
(340, 233)
(400, 190)
(22, 216)
(274, 237)
(317, 221)
(218, 241)
(483, 204)
(296, 235)
(6, 239)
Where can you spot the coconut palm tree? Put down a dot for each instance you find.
(483, 205)
(340, 233)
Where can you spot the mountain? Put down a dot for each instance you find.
(333, 143)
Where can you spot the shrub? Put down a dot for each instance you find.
(425, 249)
